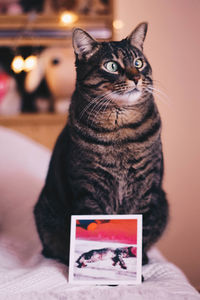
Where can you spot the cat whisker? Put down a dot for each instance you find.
(158, 91)
(159, 95)
(95, 107)
(97, 112)
(121, 89)
(158, 83)
(87, 107)
(99, 105)
(95, 100)
(155, 86)
(104, 104)
(120, 85)
(106, 101)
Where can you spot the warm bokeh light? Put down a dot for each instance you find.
(68, 17)
(118, 24)
(17, 64)
(30, 62)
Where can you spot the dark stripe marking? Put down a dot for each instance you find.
(138, 139)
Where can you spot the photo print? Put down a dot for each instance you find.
(106, 249)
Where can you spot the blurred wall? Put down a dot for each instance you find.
(173, 49)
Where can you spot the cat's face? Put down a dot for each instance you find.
(117, 71)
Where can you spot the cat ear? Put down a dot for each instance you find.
(83, 43)
(137, 36)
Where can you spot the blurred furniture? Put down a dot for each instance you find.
(42, 128)
(49, 28)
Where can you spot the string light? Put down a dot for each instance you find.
(68, 17)
(118, 24)
(17, 64)
(30, 63)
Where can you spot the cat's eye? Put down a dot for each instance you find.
(138, 63)
(111, 66)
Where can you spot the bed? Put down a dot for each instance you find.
(24, 272)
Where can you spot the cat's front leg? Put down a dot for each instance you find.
(154, 222)
(54, 231)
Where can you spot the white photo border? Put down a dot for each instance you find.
(74, 218)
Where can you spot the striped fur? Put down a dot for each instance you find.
(108, 159)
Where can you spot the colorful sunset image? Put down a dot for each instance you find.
(105, 249)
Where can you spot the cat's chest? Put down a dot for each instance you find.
(127, 170)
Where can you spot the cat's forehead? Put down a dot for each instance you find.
(120, 50)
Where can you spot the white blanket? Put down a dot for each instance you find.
(24, 273)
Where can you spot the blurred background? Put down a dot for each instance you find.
(37, 79)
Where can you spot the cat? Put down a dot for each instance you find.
(108, 159)
(116, 255)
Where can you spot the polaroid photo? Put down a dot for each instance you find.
(106, 249)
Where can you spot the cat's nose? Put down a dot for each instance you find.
(133, 74)
(136, 79)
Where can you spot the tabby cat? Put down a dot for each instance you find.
(115, 255)
(108, 158)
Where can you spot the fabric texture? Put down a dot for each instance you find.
(24, 272)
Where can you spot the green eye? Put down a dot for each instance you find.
(111, 66)
(138, 63)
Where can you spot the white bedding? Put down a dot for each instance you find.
(24, 273)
